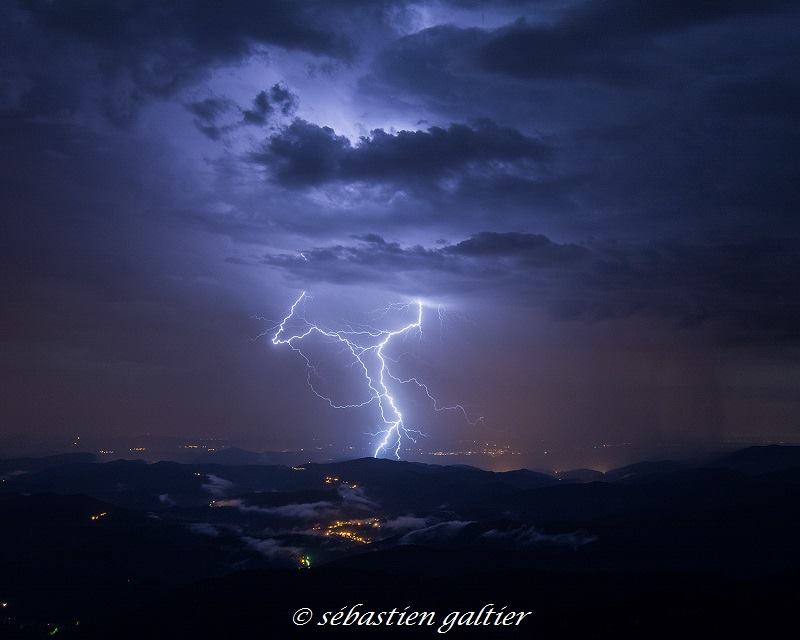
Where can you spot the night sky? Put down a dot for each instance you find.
(602, 198)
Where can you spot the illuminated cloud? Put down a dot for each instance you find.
(638, 177)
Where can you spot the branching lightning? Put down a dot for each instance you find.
(367, 347)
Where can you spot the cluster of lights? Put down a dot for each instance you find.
(491, 449)
(346, 534)
(304, 561)
(339, 481)
(350, 529)
(206, 447)
(97, 516)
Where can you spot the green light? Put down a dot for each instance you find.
(55, 630)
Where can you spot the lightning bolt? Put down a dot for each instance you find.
(367, 347)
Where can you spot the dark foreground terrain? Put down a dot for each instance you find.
(133, 550)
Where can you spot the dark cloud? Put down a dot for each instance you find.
(207, 113)
(437, 63)
(601, 40)
(209, 109)
(307, 154)
(126, 54)
(642, 153)
(162, 42)
(769, 95)
(480, 258)
(268, 105)
(535, 248)
(277, 99)
(746, 290)
(637, 98)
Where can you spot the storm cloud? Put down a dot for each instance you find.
(611, 181)
(605, 41)
(597, 280)
(307, 154)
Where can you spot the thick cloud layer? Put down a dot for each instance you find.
(306, 154)
(730, 284)
(605, 41)
(609, 181)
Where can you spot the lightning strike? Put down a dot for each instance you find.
(367, 347)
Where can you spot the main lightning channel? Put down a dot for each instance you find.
(394, 429)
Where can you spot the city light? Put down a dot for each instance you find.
(354, 530)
